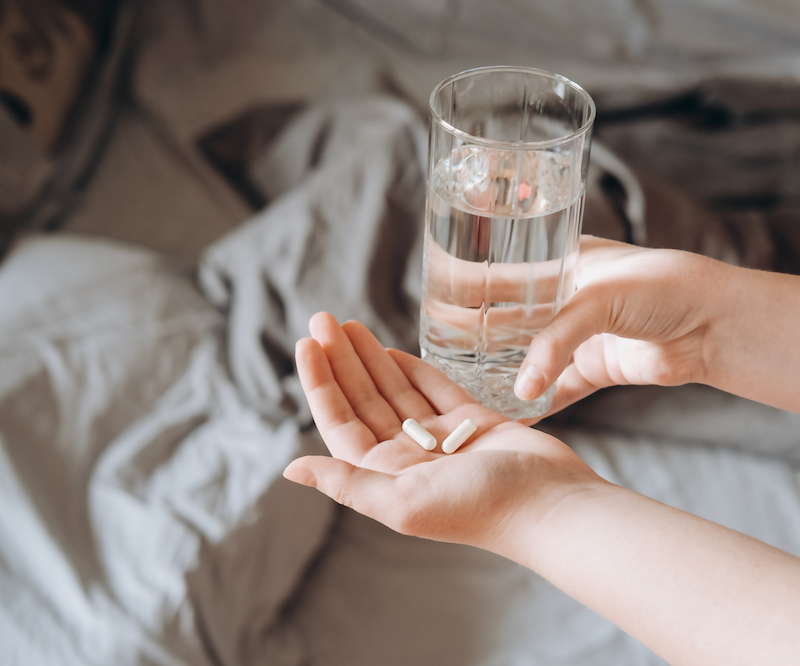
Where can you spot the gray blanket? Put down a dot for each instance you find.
(143, 517)
(145, 423)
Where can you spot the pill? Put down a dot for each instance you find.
(421, 436)
(460, 435)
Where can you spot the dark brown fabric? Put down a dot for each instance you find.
(719, 160)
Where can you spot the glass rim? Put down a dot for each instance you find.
(514, 145)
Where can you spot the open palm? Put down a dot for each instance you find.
(360, 394)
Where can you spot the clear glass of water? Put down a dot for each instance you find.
(508, 157)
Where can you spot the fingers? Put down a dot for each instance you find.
(373, 494)
(343, 432)
(551, 349)
(572, 387)
(353, 378)
(586, 373)
(443, 394)
(388, 378)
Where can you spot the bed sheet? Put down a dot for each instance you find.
(145, 424)
(145, 417)
(143, 515)
(203, 64)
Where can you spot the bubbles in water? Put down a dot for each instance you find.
(505, 182)
(493, 390)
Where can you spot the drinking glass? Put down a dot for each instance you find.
(508, 157)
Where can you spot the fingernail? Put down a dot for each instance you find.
(529, 382)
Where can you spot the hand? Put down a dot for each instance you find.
(671, 580)
(639, 316)
(490, 493)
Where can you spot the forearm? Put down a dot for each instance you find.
(753, 348)
(691, 590)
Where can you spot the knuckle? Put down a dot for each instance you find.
(341, 496)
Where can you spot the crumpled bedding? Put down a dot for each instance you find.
(143, 515)
(727, 143)
(145, 419)
(343, 234)
(143, 432)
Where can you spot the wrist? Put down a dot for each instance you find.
(526, 535)
(751, 349)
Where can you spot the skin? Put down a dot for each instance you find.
(666, 317)
(693, 591)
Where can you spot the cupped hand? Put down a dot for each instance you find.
(639, 316)
(505, 475)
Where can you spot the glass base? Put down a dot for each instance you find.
(496, 391)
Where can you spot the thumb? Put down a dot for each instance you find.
(551, 349)
(355, 487)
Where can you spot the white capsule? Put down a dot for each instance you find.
(460, 435)
(421, 436)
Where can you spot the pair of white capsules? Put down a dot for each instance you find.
(452, 442)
